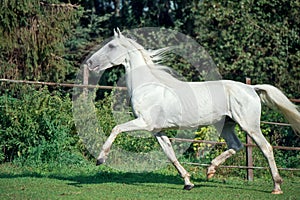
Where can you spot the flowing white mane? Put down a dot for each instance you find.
(165, 73)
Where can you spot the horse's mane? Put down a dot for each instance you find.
(158, 56)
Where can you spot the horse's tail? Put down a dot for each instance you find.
(274, 98)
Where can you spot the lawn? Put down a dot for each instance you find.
(91, 182)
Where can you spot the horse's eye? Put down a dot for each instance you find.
(111, 46)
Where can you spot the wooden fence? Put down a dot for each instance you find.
(249, 144)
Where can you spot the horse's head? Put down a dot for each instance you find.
(112, 54)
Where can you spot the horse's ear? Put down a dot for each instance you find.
(117, 33)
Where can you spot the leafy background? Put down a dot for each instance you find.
(47, 41)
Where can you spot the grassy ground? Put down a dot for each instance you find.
(90, 182)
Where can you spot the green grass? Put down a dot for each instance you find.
(91, 182)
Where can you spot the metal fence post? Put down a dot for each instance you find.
(249, 158)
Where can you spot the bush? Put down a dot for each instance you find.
(36, 126)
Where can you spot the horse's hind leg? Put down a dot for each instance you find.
(233, 143)
(267, 150)
(168, 149)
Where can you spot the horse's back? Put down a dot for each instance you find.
(228, 98)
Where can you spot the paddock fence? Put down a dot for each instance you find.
(248, 145)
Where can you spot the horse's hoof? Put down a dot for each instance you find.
(100, 161)
(209, 176)
(277, 192)
(188, 187)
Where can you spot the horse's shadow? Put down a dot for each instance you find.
(101, 177)
(137, 179)
(122, 178)
(131, 178)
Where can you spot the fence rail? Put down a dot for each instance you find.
(239, 166)
(62, 84)
(248, 145)
(224, 143)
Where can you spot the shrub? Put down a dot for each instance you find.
(36, 126)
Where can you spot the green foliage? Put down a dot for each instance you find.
(205, 151)
(254, 39)
(36, 126)
(45, 41)
(281, 136)
(32, 42)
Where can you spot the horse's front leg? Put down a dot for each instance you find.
(166, 145)
(134, 125)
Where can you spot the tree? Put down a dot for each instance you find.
(33, 36)
(256, 39)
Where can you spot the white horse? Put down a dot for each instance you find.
(161, 101)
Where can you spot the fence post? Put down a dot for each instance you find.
(85, 80)
(249, 158)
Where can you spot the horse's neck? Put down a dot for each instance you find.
(138, 70)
